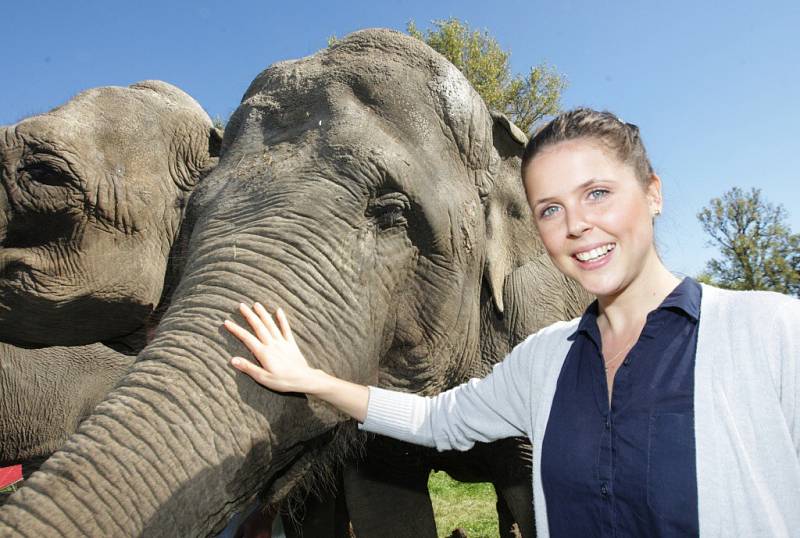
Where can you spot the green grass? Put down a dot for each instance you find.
(6, 492)
(469, 506)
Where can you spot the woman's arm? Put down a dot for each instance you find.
(479, 410)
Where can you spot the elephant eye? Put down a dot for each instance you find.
(43, 173)
(389, 210)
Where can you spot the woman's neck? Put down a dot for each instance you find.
(626, 311)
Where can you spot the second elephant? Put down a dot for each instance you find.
(92, 195)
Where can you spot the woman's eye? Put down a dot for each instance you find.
(597, 194)
(549, 211)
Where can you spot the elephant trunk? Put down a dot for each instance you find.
(184, 440)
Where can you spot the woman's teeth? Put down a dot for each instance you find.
(595, 253)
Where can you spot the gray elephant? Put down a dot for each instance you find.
(367, 190)
(92, 197)
(92, 200)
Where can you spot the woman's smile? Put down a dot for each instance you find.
(594, 256)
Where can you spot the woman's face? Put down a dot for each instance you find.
(593, 214)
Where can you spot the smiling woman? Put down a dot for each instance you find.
(655, 456)
(594, 197)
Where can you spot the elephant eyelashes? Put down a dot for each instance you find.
(42, 173)
(389, 210)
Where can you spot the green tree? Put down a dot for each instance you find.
(524, 99)
(758, 249)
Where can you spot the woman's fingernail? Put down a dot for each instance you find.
(235, 362)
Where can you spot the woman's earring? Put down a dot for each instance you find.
(657, 212)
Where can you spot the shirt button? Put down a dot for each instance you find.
(603, 489)
(608, 424)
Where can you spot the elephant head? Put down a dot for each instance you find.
(358, 188)
(91, 201)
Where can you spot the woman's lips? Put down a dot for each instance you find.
(595, 257)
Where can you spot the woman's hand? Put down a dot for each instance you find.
(283, 368)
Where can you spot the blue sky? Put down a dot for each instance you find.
(713, 86)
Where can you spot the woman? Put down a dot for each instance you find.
(669, 408)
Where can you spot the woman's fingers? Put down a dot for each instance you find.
(283, 368)
(256, 323)
(252, 343)
(266, 318)
(260, 375)
(283, 323)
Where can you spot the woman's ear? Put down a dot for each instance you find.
(654, 199)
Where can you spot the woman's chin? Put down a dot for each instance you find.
(599, 285)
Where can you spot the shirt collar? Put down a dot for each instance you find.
(685, 297)
(588, 323)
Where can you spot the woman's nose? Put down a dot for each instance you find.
(577, 224)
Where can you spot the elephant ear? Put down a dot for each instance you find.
(511, 237)
(523, 291)
(215, 136)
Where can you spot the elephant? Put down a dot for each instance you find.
(367, 190)
(92, 197)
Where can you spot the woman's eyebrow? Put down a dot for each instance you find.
(578, 188)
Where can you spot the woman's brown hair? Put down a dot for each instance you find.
(605, 128)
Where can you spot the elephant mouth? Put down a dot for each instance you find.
(12, 261)
(313, 467)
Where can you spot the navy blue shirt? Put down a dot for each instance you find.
(627, 469)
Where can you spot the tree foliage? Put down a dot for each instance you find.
(758, 249)
(524, 99)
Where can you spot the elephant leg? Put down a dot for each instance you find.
(323, 516)
(389, 497)
(507, 526)
(506, 464)
(515, 506)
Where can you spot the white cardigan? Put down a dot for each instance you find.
(746, 411)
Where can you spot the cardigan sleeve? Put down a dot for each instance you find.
(480, 410)
(788, 331)
(774, 322)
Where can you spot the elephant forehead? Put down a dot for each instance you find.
(398, 112)
(95, 142)
(109, 121)
(395, 77)
(432, 105)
